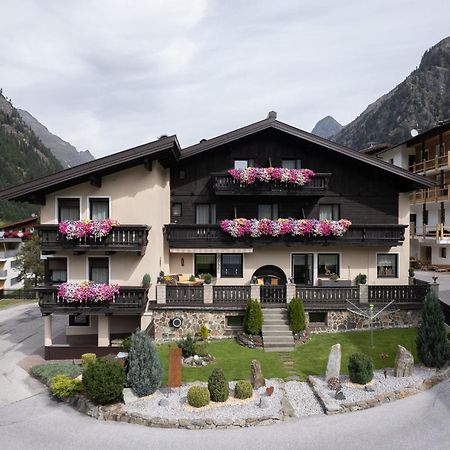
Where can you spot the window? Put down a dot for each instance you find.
(234, 321)
(99, 208)
(329, 212)
(443, 252)
(413, 219)
(57, 270)
(205, 213)
(291, 163)
(81, 320)
(268, 211)
(232, 265)
(205, 264)
(99, 270)
(302, 268)
(411, 159)
(425, 217)
(317, 317)
(243, 163)
(387, 265)
(176, 210)
(68, 209)
(328, 264)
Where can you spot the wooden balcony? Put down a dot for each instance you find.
(131, 300)
(211, 236)
(439, 232)
(436, 194)
(428, 165)
(122, 238)
(225, 184)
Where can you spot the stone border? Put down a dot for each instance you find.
(331, 406)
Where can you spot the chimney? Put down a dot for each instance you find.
(272, 115)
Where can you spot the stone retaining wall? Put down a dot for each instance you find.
(192, 321)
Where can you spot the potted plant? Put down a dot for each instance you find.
(161, 276)
(361, 278)
(334, 277)
(146, 280)
(207, 277)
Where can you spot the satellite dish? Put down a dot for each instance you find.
(414, 132)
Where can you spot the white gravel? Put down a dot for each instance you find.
(380, 385)
(302, 399)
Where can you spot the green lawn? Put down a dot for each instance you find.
(13, 302)
(309, 359)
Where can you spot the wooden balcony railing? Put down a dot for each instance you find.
(402, 295)
(184, 295)
(439, 231)
(272, 294)
(436, 194)
(225, 184)
(211, 236)
(128, 238)
(130, 300)
(231, 295)
(431, 164)
(327, 297)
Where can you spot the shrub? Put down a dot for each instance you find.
(296, 315)
(103, 380)
(218, 386)
(361, 278)
(45, 372)
(203, 332)
(200, 349)
(192, 278)
(431, 340)
(411, 272)
(243, 390)
(63, 386)
(144, 367)
(360, 368)
(88, 358)
(207, 277)
(198, 396)
(146, 280)
(187, 346)
(126, 343)
(253, 320)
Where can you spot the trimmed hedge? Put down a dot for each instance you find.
(63, 386)
(218, 386)
(253, 320)
(198, 396)
(103, 381)
(243, 390)
(296, 315)
(360, 368)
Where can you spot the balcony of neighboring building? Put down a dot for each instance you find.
(121, 238)
(431, 164)
(225, 185)
(436, 194)
(439, 232)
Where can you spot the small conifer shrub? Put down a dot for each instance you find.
(296, 315)
(253, 320)
(243, 390)
(198, 396)
(360, 368)
(218, 386)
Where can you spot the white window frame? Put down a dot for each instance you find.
(67, 196)
(98, 256)
(397, 276)
(98, 196)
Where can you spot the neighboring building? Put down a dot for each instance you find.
(12, 236)
(427, 154)
(169, 203)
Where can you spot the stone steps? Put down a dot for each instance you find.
(276, 334)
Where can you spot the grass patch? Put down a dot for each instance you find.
(232, 358)
(311, 358)
(13, 302)
(44, 372)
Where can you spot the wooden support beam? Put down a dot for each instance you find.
(95, 180)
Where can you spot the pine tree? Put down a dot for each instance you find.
(144, 367)
(30, 264)
(253, 320)
(431, 340)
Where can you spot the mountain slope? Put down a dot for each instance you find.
(327, 127)
(420, 101)
(23, 157)
(66, 153)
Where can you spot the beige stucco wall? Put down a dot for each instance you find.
(137, 197)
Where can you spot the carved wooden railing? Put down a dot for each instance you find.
(273, 294)
(401, 294)
(231, 295)
(327, 297)
(184, 295)
(120, 238)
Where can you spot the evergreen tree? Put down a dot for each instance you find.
(253, 320)
(296, 315)
(144, 367)
(30, 264)
(431, 340)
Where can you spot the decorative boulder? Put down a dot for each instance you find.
(258, 379)
(404, 362)
(334, 362)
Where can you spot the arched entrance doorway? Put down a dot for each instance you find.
(272, 281)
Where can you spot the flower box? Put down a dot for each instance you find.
(266, 174)
(87, 291)
(75, 229)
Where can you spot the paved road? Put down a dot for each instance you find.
(443, 280)
(31, 419)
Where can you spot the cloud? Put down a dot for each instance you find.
(107, 75)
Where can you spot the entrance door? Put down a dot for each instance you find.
(428, 254)
(302, 268)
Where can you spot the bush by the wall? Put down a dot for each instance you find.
(198, 396)
(296, 315)
(187, 346)
(87, 358)
(431, 340)
(63, 386)
(253, 320)
(144, 367)
(360, 368)
(218, 386)
(243, 390)
(103, 381)
(203, 332)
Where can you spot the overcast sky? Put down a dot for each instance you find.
(106, 75)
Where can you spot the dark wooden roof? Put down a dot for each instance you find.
(413, 180)
(166, 150)
(20, 223)
(431, 132)
(375, 149)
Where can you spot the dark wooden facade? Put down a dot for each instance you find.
(365, 194)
